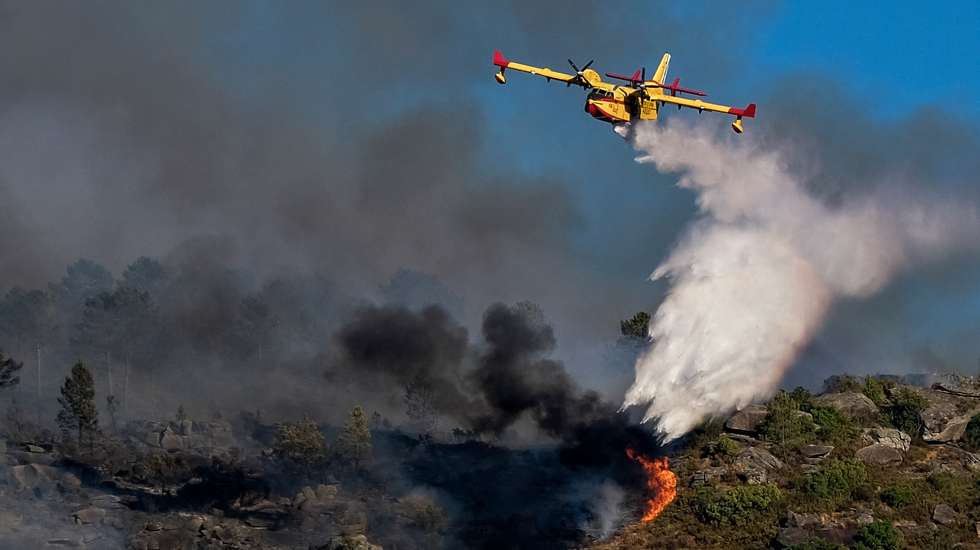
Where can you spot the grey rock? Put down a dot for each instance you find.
(755, 463)
(791, 536)
(33, 448)
(946, 416)
(29, 476)
(879, 455)
(747, 420)
(707, 475)
(804, 520)
(944, 514)
(864, 517)
(855, 405)
(88, 516)
(890, 437)
(107, 501)
(27, 457)
(171, 441)
(816, 451)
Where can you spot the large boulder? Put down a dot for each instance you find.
(880, 455)
(945, 418)
(853, 404)
(747, 420)
(755, 463)
(816, 451)
(89, 516)
(29, 476)
(944, 514)
(890, 437)
(170, 440)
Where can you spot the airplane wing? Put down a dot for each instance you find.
(748, 111)
(504, 63)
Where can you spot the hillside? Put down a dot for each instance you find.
(874, 463)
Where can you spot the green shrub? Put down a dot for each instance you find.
(905, 411)
(898, 496)
(841, 383)
(838, 482)
(874, 389)
(722, 447)
(739, 506)
(301, 442)
(803, 398)
(704, 437)
(959, 491)
(835, 428)
(971, 437)
(880, 535)
(784, 424)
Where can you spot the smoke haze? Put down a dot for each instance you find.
(752, 279)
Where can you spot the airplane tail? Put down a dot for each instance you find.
(661, 74)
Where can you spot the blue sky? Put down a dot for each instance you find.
(891, 61)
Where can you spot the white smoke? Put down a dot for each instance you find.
(753, 277)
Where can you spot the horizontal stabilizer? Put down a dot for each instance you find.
(746, 112)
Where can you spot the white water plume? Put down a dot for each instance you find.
(754, 275)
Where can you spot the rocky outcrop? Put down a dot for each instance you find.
(816, 451)
(947, 415)
(855, 405)
(880, 455)
(837, 527)
(90, 515)
(754, 464)
(41, 477)
(944, 514)
(747, 420)
(889, 437)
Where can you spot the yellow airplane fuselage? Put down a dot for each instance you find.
(619, 106)
(624, 104)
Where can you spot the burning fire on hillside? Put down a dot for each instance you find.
(661, 483)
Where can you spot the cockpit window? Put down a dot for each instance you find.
(599, 94)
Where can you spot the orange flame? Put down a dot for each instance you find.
(661, 482)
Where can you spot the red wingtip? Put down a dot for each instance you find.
(499, 59)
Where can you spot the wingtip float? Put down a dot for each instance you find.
(641, 99)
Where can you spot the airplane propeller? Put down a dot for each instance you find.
(578, 72)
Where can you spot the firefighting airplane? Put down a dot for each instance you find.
(620, 105)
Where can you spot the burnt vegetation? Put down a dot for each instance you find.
(365, 424)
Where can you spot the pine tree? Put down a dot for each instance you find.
(78, 412)
(8, 372)
(354, 443)
(301, 442)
